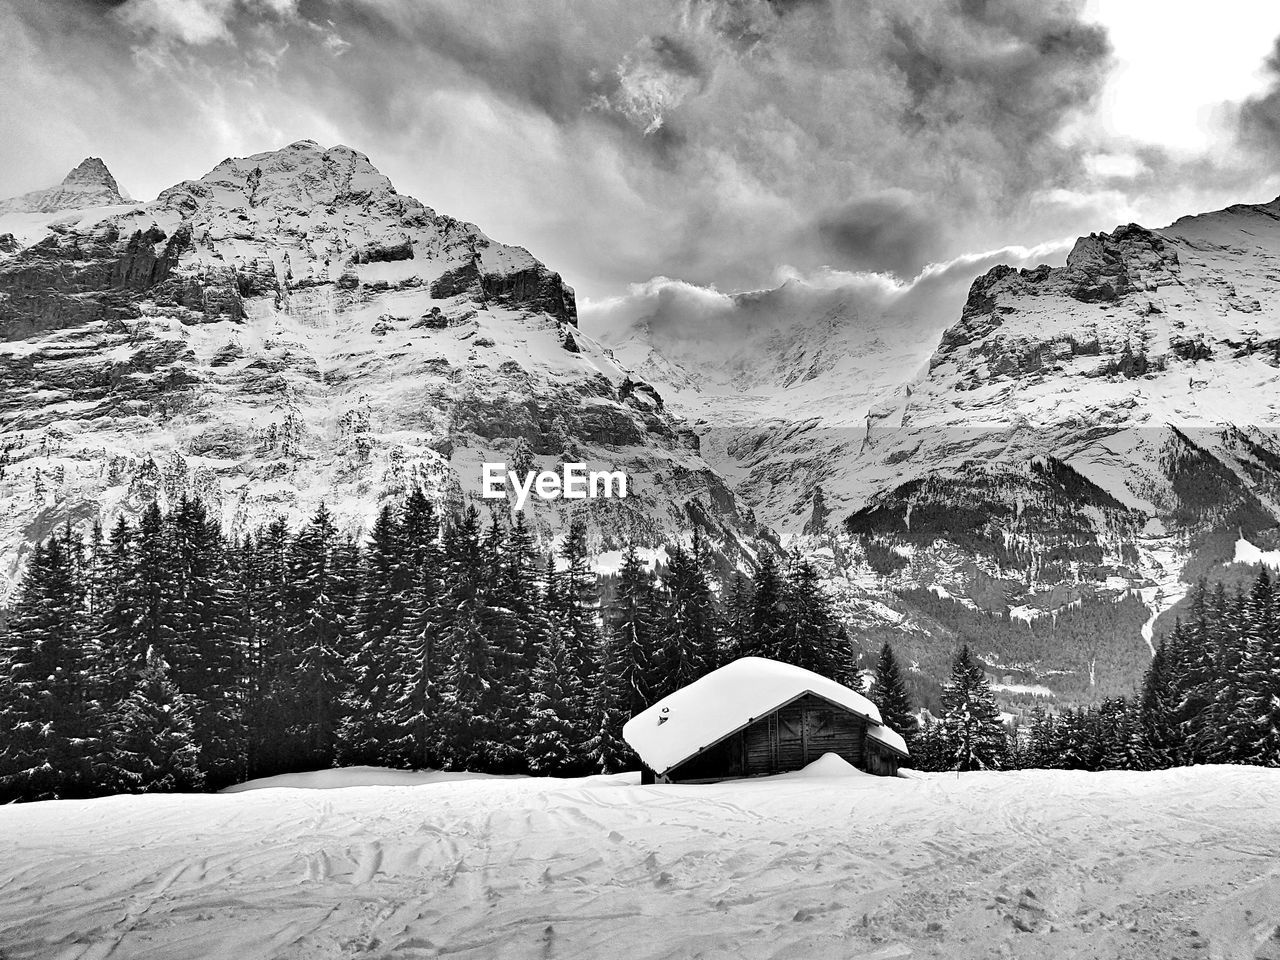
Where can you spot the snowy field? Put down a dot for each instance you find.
(1037, 864)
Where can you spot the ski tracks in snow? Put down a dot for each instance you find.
(1023, 865)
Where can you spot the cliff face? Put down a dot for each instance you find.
(288, 329)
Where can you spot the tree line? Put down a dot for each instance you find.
(163, 656)
(1210, 694)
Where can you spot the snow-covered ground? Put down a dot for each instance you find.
(1033, 864)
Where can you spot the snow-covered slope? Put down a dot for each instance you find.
(1034, 864)
(781, 385)
(289, 329)
(1099, 420)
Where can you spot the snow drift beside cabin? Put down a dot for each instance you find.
(712, 707)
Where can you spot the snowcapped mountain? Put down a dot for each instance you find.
(1093, 435)
(89, 185)
(780, 385)
(288, 329)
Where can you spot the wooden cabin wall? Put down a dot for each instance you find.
(787, 739)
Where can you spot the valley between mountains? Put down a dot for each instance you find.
(1045, 477)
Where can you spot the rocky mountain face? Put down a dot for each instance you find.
(781, 389)
(1083, 443)
(89, 185)
(288, 329)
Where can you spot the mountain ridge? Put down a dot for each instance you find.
(288, 329)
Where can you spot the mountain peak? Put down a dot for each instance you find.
(92, 172)
(89, 184)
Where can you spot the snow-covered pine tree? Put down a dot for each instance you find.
(206, 651)
(929, 750)
(633, 623)
(557, 724)
(573, 604)
(419, 645)
(1158, 705)
(687, 641)
(627, 675)
(317, 632)
(157, 750)
(1042, 741)
(768, 617)
(737, 621)
(1223, 733)
(149, 595)
(972, 731)
(889, 693)
(369, 731)
(262, 600)
(1257, 721)
(51, 747)
(469, 693)
(1190, 668)
(807, 636)
(1078, 743)
(118, 656)
(506, 635)
(517, 591)
(1118, 731)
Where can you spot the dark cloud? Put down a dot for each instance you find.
(891, 232)
(711, 139)
(1259, 117)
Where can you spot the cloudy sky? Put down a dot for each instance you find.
(719, 143)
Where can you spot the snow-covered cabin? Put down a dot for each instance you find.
(757, 717)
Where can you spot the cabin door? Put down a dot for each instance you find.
(804, 735)
(819, 733)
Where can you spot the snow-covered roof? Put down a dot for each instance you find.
(889, 737)
(724, 701)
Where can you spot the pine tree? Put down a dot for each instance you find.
(572, 602)
(150, 593)
(419, 646)
(687, 643)
(1157, 707)
(1256, 719)
(317, 632)
(1190, 668)
(737, 626)
(557, 724)
(468, 701)
(889, 694)
(627, 677)
(263, 598)
(929, 750)
(370, 730)
(115, 640)
(971, 727)
(158, 750)
(768, 615)
(206, 649)
(809, 636)
(51, 747)
(1042, 741)
(518, 591)
(1077, 746)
